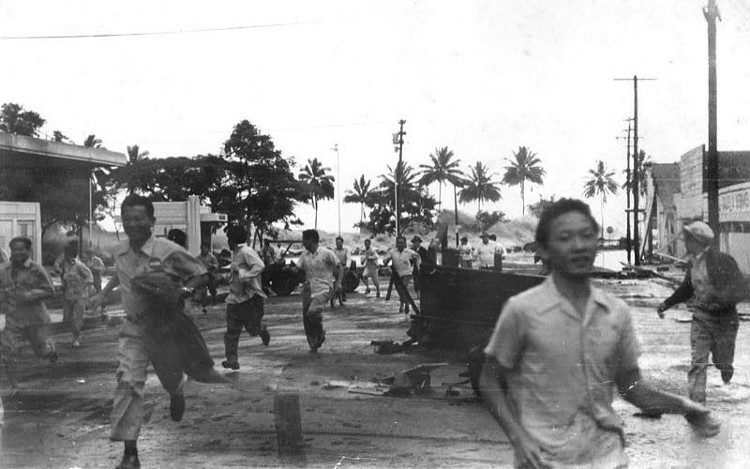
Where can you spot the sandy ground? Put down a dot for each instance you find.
(59, 416)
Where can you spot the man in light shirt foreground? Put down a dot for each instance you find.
(245, 299)
(557, 353)
(323, 276)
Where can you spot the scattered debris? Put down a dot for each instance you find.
(414, 380)
(388, 347)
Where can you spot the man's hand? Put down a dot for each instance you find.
(529, 453)
(660, 310)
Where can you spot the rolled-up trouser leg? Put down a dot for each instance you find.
(312, 316)
(127, 406)
(73, 316)
(722, 352)
(701, 341)
(234, 329)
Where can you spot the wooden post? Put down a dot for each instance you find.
(288, 424)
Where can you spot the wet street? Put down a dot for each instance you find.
(59, 416)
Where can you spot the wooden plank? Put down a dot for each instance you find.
(288, 424)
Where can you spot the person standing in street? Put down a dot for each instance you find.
(211, 264)
(345, 258)
(558, 352)
(141, 254)
(466, 253)
(416, 246)
(715, 284)
(77, 286)
(486, 252)
(403, 258)
(370, 271)
(24, 285)
(323, 276)
(246, 297)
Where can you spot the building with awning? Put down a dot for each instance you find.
(54, 175)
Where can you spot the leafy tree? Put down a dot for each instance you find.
(416, 204)
(601, 182)
(134, 153)
(480, 187)
(16, 120)
(92, 142)
(257, 186)
(537, 208)
(486, 220)
(359, 196)
(525, 167)
(442, 169)
(318, 182)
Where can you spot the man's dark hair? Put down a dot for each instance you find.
(71, 249)
(493, 237)
(237, 234)
(177, 236)
(368, 240)
(20, 239)
(554, 210)
(401, 237)
(311, 235)
(134, 200)
(339, 238)
(464, 239)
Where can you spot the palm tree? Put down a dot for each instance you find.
(135, 154)
(640, 162)
(526, 167)
(480, 186)
(319, 184)
(359, 195)
(92, 142)
(440, 170)
(600, 182)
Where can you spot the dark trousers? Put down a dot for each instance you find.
(714, 334)
(248, 314)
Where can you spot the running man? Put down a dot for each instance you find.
(345, 258)
(320, 266)
(77, 286)
(370, 260)
(403, 258)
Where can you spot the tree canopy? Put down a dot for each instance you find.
(358, 195)
(16, 120)
(442, 168)
(525, 166)
(479, 186)
(318, 183)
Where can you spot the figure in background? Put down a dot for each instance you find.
(24, 285)
(345, 258)
(77, 287)
(403, 258)
(211, 265)
(715, 284)
(466, 253)
(370, 260)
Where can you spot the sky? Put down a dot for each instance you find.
(480, 77)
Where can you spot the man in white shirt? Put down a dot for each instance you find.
(345, 257)
(402, 258)
(466, 253)
(245, 299)
(486, 252)
(320, 266)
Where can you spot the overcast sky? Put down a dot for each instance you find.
(481, 77)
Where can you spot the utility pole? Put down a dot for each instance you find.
(338, 185)
(400, 136)
(628, 183)
(636, 169)
(711, 12)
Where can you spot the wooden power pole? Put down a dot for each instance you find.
(400, 168)
(711, 12)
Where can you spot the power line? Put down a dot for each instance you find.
(152, 33)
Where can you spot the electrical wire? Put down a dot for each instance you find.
(151, 33)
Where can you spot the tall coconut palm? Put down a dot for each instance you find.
(135, 154)
(318, 182)
(92, 141)
(442, 168)
(601, 182)
(479, 186)
(359, 195)
(525, 167)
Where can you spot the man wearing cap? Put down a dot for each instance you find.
(486, 251)
(715, 284)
